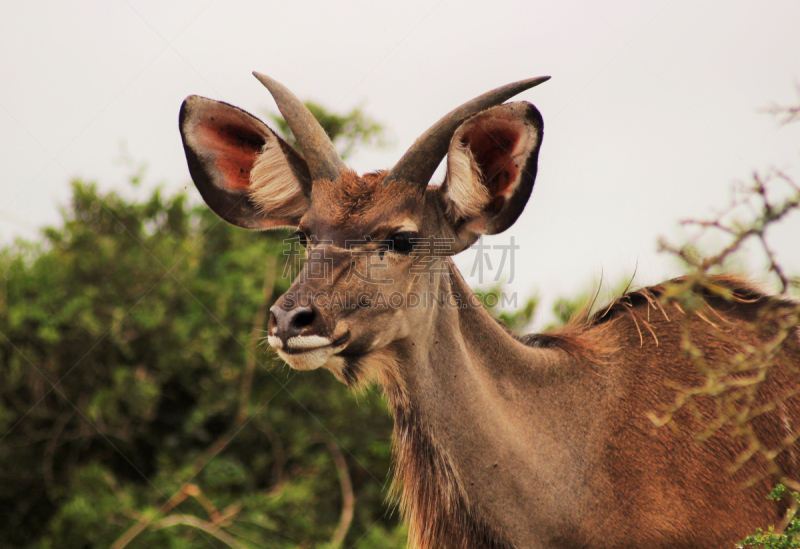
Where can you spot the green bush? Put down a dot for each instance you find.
(135, 394)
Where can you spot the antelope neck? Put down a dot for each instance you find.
(483, 403)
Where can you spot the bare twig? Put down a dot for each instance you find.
(348, 499)
(147, 520)
(278, 451)
(194, 522)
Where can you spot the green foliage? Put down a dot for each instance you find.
(790, 538)
(126, 339)
(517, 318)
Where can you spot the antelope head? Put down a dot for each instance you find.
(377, 244)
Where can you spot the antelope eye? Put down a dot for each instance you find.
(403, 243)
(301, 236)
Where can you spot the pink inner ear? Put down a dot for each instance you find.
(236, 144)
(497, 145)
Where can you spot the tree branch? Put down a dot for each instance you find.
(194, 522)
(348, 499)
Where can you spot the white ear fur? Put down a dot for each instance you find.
(273, 184)
(465, 189)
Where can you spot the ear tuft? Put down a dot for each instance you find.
(273, 184)
(468, 196)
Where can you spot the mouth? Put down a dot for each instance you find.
(309, 352)
(300, 345)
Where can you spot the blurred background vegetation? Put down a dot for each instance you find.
(135, 399)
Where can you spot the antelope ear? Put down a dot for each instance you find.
(491, 167)
(247, 175)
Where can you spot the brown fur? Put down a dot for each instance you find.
(352, 199)
(638, 324)
(583, 335)
(431, 491)
(745, 303)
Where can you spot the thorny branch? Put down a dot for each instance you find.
(732, 386)
(786, 114)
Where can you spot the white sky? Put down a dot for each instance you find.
(652, 112)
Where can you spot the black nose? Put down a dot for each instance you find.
(288, 324)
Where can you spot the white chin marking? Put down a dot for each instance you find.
(314, 351)
(308, 360)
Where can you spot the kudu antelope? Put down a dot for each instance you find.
(540, 441)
